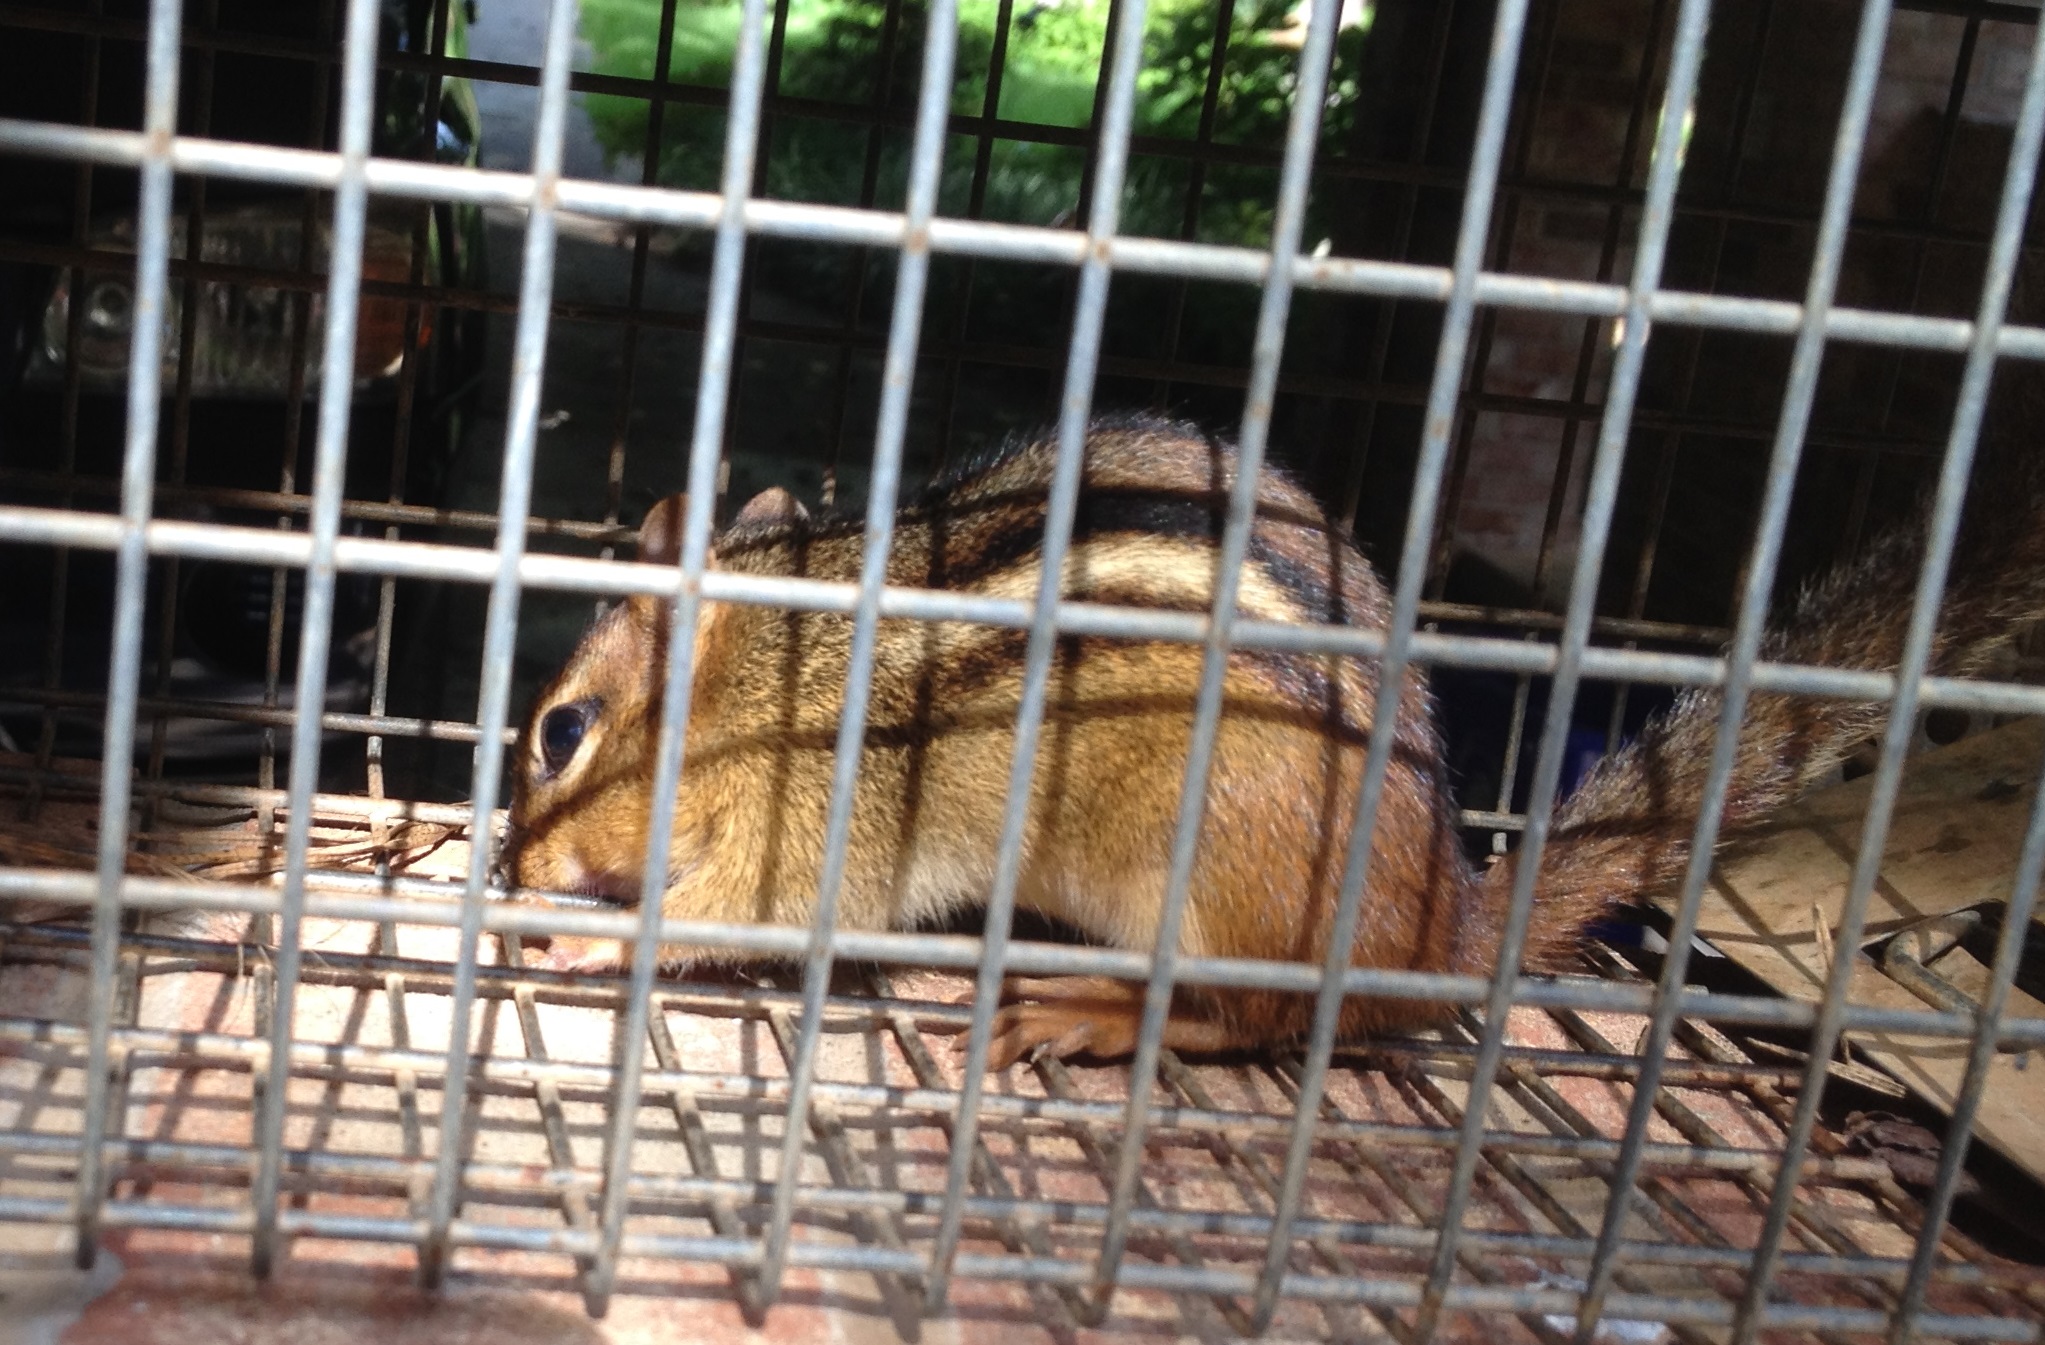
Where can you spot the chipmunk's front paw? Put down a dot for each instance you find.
(1063, 1017)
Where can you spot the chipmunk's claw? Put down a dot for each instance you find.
(1064, 1016)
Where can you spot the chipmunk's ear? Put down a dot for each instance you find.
(770, 507)
(660, 536)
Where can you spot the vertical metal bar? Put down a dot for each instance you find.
(1519, 1193)
(848, 1169)
(1360, 1159)
(1757, 587)
(138, 473)
(500, 631)
(990, 109)
(405, 1082)
(1099, 120)
(315, 633)
(1253, 1173)
(1942, 526)
(713, 389)
(1091, 1139)
(1927, 220)
(635, 294)
(1872, 456)
(1663, 176)
(760, 158)
(1203, 132)
(976, 204)
(702, 1154)
(1020, 1235)
(572, 1189)
(854, 289)
(1685, 401)
(74, 329)
(1074, 410)
(663, 56)
(898, 375)
(2009, 949)
(411, 356)
(1099, 125)
(1515, 740)
(1643, 573)
(2004, 252)
(1350, 492)
(1960, 1131)
(1461, 307)
(1295, 176)
(1196, 182)
(1487, 322)
(1599, 502)
(1594, 328)
(1814, 1227)
(299, 304)
(199, 121)
(401, 435)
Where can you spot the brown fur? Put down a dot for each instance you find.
(1627, 828)
(747, 841)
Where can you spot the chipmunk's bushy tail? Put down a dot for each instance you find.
(1627, 828)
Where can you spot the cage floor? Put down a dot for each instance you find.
(364, 1123)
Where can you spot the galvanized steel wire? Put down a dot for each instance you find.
(598, 1226)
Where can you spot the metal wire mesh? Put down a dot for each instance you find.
(351, 1049)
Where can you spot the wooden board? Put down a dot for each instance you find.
(1953, 843)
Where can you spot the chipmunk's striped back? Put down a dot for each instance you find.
(749, 827)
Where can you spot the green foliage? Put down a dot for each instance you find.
(840, 51)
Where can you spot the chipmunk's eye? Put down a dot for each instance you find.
(561, 733)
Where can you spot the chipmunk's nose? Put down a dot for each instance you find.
(570, 884)
(573, 883)
(609, 888)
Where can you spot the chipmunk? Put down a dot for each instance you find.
(748, 834)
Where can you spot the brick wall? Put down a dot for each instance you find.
(1576, 141)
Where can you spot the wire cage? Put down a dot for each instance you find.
(351, 339)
